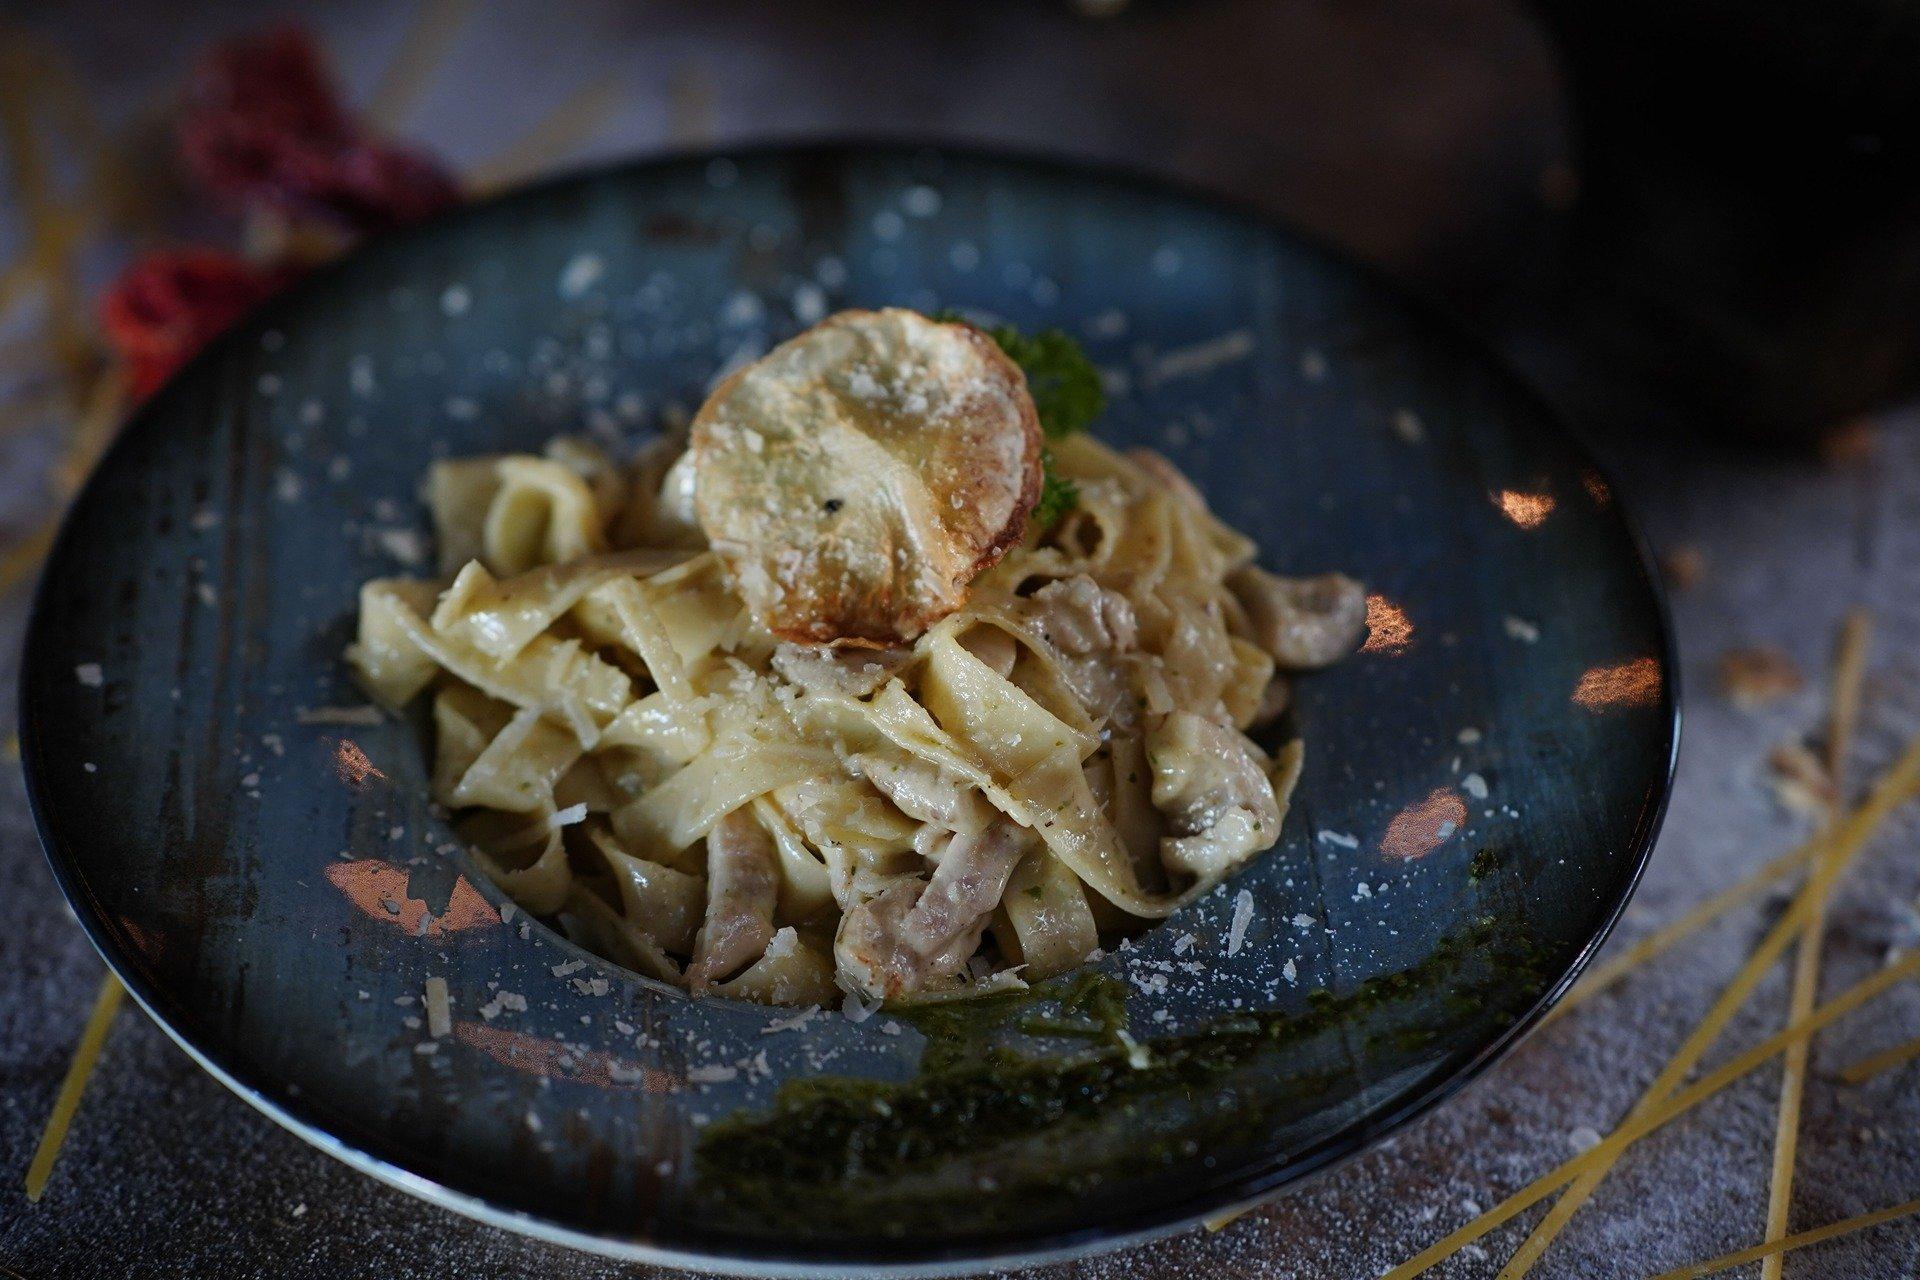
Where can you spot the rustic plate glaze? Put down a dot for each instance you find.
(1482, 788)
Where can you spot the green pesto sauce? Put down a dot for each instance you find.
(1038, 1093)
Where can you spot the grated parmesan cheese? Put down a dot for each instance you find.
(580, 274)
(809, 304)
(1242, 917)
(794, 1023)
(405, 545)
(920, 201)
(1520, 629)
(1202, 357)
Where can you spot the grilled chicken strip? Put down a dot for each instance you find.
(1305, 623)
(920, 931)
(1211, 787)
(743, 884)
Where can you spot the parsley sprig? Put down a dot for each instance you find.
(1058, 495)
(1065, 386)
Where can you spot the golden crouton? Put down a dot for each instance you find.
(857, 477)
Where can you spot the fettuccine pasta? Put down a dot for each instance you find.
(631, 754)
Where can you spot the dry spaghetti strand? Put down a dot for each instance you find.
(1845, 714)
(1774, 1248)
(74, 1087)
(17, 280)
(1687, 925)
(1896, 786)
(1654, 944)
(422, 50)
(1639, 1126)
(20, 559)
(1885, 1060)
(91, 431)
(1849, 671)
(553, 139)
(52, 230)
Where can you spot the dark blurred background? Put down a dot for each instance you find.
(1710, 202)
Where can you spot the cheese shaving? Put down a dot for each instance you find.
(439, 1015)
(1242, 916)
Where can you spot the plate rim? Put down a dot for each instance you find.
(740, 1256)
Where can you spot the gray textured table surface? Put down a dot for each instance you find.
(1416, 135)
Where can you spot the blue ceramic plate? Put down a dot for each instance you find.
(264, 871)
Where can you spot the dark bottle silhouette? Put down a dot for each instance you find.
(1749, 210)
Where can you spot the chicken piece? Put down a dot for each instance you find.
(1079, 616)
(1091, 627)
(1305, 623)
(1210, 785)
(916, 931)
(869, 952)
(856, 478)
(743, 885)
(820, 668)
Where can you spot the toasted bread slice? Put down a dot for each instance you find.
(857, 477)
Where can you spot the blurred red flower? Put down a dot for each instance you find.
(263, 126)
(169, 304)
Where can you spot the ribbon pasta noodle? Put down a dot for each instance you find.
(1062, 759)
